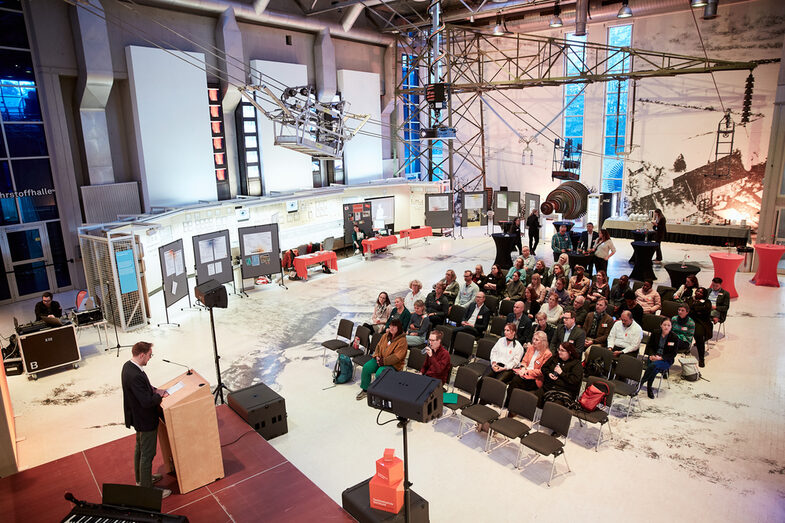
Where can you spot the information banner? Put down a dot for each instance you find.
(438, 210)
(126, 271)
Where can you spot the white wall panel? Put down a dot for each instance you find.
(172, 127)
(282, 169)
(362, 154)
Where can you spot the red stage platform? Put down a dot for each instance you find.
(260, 484)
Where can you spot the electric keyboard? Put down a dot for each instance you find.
(90, 513)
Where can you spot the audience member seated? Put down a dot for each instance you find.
(47, 307)
(451, 286)
(557, 272)
(569, 331)
(538, 290)
(541, 325)
(648, 298)
(494, 283)
(632, 305)
(561, 242)
(437, 359)
(684, 292)
(419, 325)
(381, 313)
(517, 267)
(539, 269)
(560, 291)
(581, 309)
(683, 325)
(661, 351)
(505, 356)
(599, 289)
(528, 376)
(357, 238)
(529, 261)
(616, 298)
(530, 306)
(598, 325)
(399, 313)
(520, 319)
(514, 288)
(625, 336)
(476, 317)
(720, 301)
(561, 373)
(553, 310)
(437, 305)
(467, 291)
(700, 310)
(390, 352)
(479, 275)
(579, 284)
(415, 293)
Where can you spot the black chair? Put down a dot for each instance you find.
(522, 403)
(492, 392)
(614, 282)
(628, 368)
(462, 349)
(446, 335)
(496, 328)
(599, 415)
(492, 302)
(455, 316)
(604, 354)
(665, 292)
(466, 381)
(505, 307)
(342, 339)
(416, 358)
(362, 359)
(482, 360)
(637, 285)
(669, 308)
(649, 324)
(364, 333)
(556, 418)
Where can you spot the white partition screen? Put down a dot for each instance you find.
(362, 157)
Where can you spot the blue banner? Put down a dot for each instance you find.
(126, 271)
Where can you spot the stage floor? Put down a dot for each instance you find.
(260, 484)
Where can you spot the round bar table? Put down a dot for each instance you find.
(640, 235)
(679, 273)
(579, 258)
(559, 224)
(643, 253)
(768, 257)
(725, 266)
(505, 244)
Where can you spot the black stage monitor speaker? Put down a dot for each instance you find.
(262, 408)
(212, 294)
(407, 395)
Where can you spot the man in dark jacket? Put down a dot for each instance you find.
(569, 331)
(522, 322)
(533, 224)
(476, 317)
(598, 325)
(588, 244)
(140, 403)
(720, 301)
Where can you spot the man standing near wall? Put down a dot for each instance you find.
(533, 224)
(140, 403)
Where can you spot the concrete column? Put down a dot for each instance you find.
(94, 85)
(324, 65)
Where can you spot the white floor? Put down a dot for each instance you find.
(709, 450)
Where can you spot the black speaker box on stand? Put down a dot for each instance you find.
(262, 408)
(212, 294)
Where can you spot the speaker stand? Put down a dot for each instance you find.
(218, 393)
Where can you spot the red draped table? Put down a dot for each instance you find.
(379, 242)
(301, 263)
(768, 258)
(725, 266)
(422, 232)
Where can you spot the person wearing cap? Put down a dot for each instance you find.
(579, 284)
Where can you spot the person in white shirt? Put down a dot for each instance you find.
(553, 310)
(625, 336)
(529, 261)
(506, 355)
(414, 294)
(468, 290)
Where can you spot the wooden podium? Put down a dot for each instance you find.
(188, 435)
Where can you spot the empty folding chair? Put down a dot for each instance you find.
(556, 418)
(492, 302)
(465, 381)
(462, 349)
(665, 292)
(604, 358)
(628, 368)
(455, 316)
(416, 358)
(364, 334)
(482, 360)
(492, 392)
(496, 328)
(599, 415)
(342, 339)
(669, 308)
(505, 307)
(522, 403)
(649, 324)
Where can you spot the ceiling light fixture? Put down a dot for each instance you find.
(698, 3)
(500, 29)
(625, 11)
(556, 19)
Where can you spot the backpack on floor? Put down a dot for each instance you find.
(689, 368)
(343, 369)
(562, 398)
(595, 367)
(594, 395)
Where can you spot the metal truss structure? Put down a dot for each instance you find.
(481, 66)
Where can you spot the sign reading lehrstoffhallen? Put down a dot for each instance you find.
(27, 193)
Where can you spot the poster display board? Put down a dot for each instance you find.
(438, 210)
(359, 213)
(126, 271)
(382, 211)
(531, 202)
(474, 209)
(513, 204)
(173, 273)
(213, 256)
(500, 210)
(260, 253)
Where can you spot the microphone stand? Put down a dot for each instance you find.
(114, 323)
(179, 365)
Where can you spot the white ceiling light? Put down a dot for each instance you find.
(698, 3)
(556, 18)
(625, 11)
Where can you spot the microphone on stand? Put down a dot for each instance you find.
(179, 364)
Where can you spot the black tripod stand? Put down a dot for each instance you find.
(117, 347)
(403, 423)
(219, 389)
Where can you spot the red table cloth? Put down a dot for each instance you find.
(725, 266)
(380, 242)
(768, 257)
(301, 263)
(422, 232)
